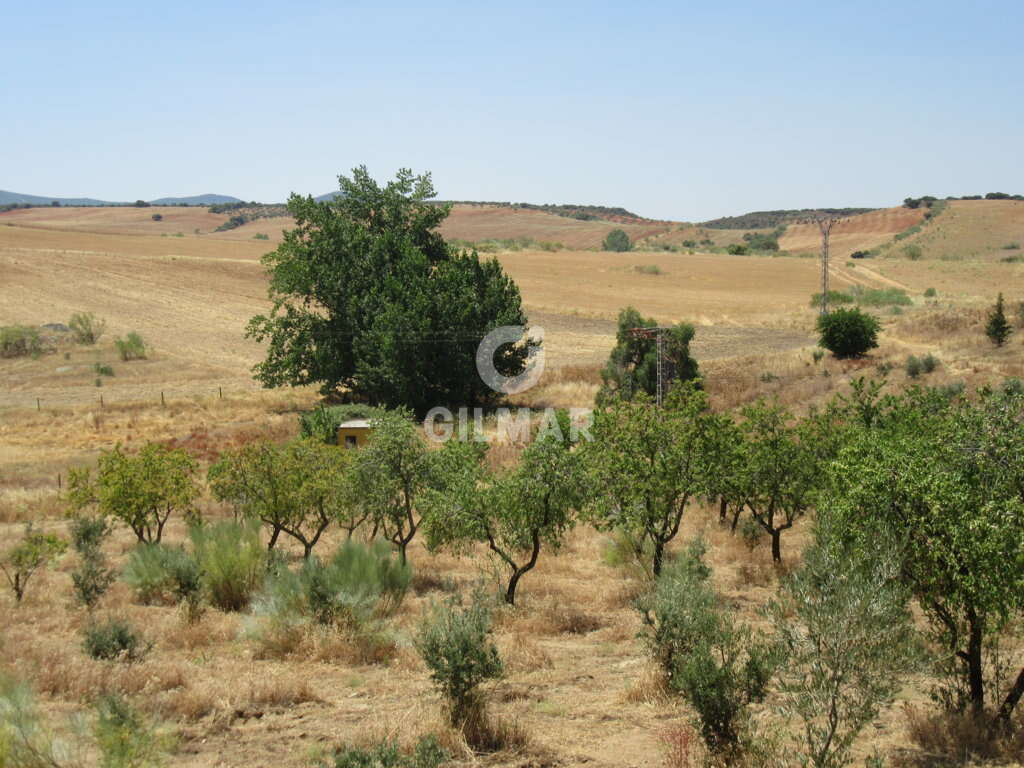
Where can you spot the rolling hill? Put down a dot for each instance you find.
(12, 198)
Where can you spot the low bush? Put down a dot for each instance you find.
(232, 562)
(834, 298)
(19, 341)
(913, 252)
(162, 574)
(157, 217)
(930, 293)
(261, 236)
(913, 367)
(103, 370)
(125, 738)
(719, 667)
(427, 753)
(131, 347)
(86, 327)
(737, 250)
(848, 332)
(114, 640)
(454, 642)
(351, 593)
(616, 240)
(91, 577)
(648, 269)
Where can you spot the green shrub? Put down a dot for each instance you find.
(1013, 386)
(929, 363)
(232, 562)
(125, 738)
(161, 573)
(86, 327)
(1014, 246)
(848, 332)
(720, 668)
(131, 347)
(261, 236)
(351, 592)
(913, 252)
(616, 240)
(114, 639)
(736, 249)
(455, 645)
(25, 739)
(91, 578)
(157, 217)
(103, 370)
(647, 269)
(930, 293)
(913, 367)
(834, 298)
(19, 341)
(426, 754)
(880, 297)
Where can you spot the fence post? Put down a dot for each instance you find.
(101, 401)
(38, 406)
(58, 481)
(162, 402)
(220, 393)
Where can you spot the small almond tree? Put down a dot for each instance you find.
(141, 491)
(34, 551)
(646, 464)
(514, 514)
(779, 472)
(389, 475)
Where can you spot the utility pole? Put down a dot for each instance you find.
(658, 334)
(825, 222)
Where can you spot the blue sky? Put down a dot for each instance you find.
(675, 110)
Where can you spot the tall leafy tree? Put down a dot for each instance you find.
(632, 367)
(515, 514)
(368, 297)
(646, 464)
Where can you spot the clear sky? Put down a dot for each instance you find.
(675, 110)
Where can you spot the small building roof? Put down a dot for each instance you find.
(355, 424)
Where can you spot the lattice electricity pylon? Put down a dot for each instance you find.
(658, 334)
(825, 222)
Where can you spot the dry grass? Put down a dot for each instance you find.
(947, 738)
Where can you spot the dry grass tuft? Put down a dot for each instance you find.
(522, 653)
(280, 690)
(650, 688)
(950, 738)
(683, 747)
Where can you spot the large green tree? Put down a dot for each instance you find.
(367, 296)
(632, 367)
(946, 479)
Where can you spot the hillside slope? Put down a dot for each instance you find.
(972, 229)
(855, 233)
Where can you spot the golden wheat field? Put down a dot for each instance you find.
(580, 688)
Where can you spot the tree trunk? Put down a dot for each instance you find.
(975, 678)
(1006, 709)
(723, 509)
(776, 545)
(274, 533)
(659, 555)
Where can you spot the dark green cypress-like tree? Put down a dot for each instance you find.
(998, 328)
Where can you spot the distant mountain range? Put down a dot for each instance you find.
(9, 198)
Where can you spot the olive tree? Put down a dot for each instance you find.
(142, 491)
(515, 513)
(646, 464)
(843, 623)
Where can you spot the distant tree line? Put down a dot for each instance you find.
(928, 201)
(772, 219)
